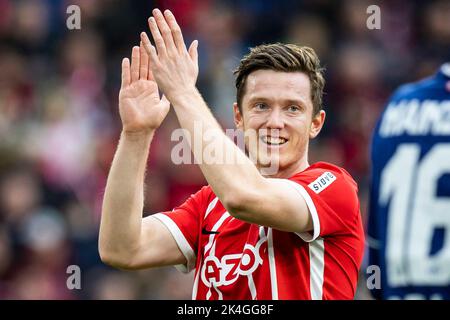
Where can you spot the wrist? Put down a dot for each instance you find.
(137, 136)
(183, 94)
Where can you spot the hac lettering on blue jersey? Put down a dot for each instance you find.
(416, 118)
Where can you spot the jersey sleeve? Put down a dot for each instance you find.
(331, 197)
(184, 223)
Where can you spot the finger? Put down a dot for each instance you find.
(135, 57)
(193, 52)
(151, 51)
(143, 70)
(157, 37)
(165, 30)
(125, 72)
(176, 31)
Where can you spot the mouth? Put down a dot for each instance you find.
(274, 141)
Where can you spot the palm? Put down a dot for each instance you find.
(140, 106)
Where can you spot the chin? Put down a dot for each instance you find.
(270, 165)
(277, 166)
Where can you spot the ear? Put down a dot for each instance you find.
(238, 118)
(317, 124)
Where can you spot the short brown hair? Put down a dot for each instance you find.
(284, 58)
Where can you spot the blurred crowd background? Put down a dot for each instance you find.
(59, 121)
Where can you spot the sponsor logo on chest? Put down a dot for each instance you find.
(225, 270)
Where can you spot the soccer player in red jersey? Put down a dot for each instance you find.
(294, 234)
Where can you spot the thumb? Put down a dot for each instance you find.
(193, 53)
(165, 100)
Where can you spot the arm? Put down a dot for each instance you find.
(126, 240)
(247, 195)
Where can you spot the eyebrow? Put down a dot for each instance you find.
(300, 102)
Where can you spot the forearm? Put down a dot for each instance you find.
(241, 188)
(123, 201)
(223, 176)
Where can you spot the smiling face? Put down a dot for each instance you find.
(278, 107)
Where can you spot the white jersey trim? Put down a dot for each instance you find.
(210, 249)
(181, 241)
(252, 287)
(272, 265)
(211, 206)
(317, 268)
(306, 236)
(195, 286)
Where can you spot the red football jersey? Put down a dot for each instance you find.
(239, 260)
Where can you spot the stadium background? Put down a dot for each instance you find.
(59, 121)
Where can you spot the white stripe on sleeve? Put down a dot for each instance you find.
(317, 267)
(181, 241)
(306, 236)
(272, 266)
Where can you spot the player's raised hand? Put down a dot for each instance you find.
(140, 107)
(174, 67)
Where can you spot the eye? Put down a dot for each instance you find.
(294, 108)
(261, 106)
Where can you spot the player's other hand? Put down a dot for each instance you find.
(175, 68)
(140, 106)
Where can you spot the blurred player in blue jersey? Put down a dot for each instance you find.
(409, 218)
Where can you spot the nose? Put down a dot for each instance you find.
(275, 120)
